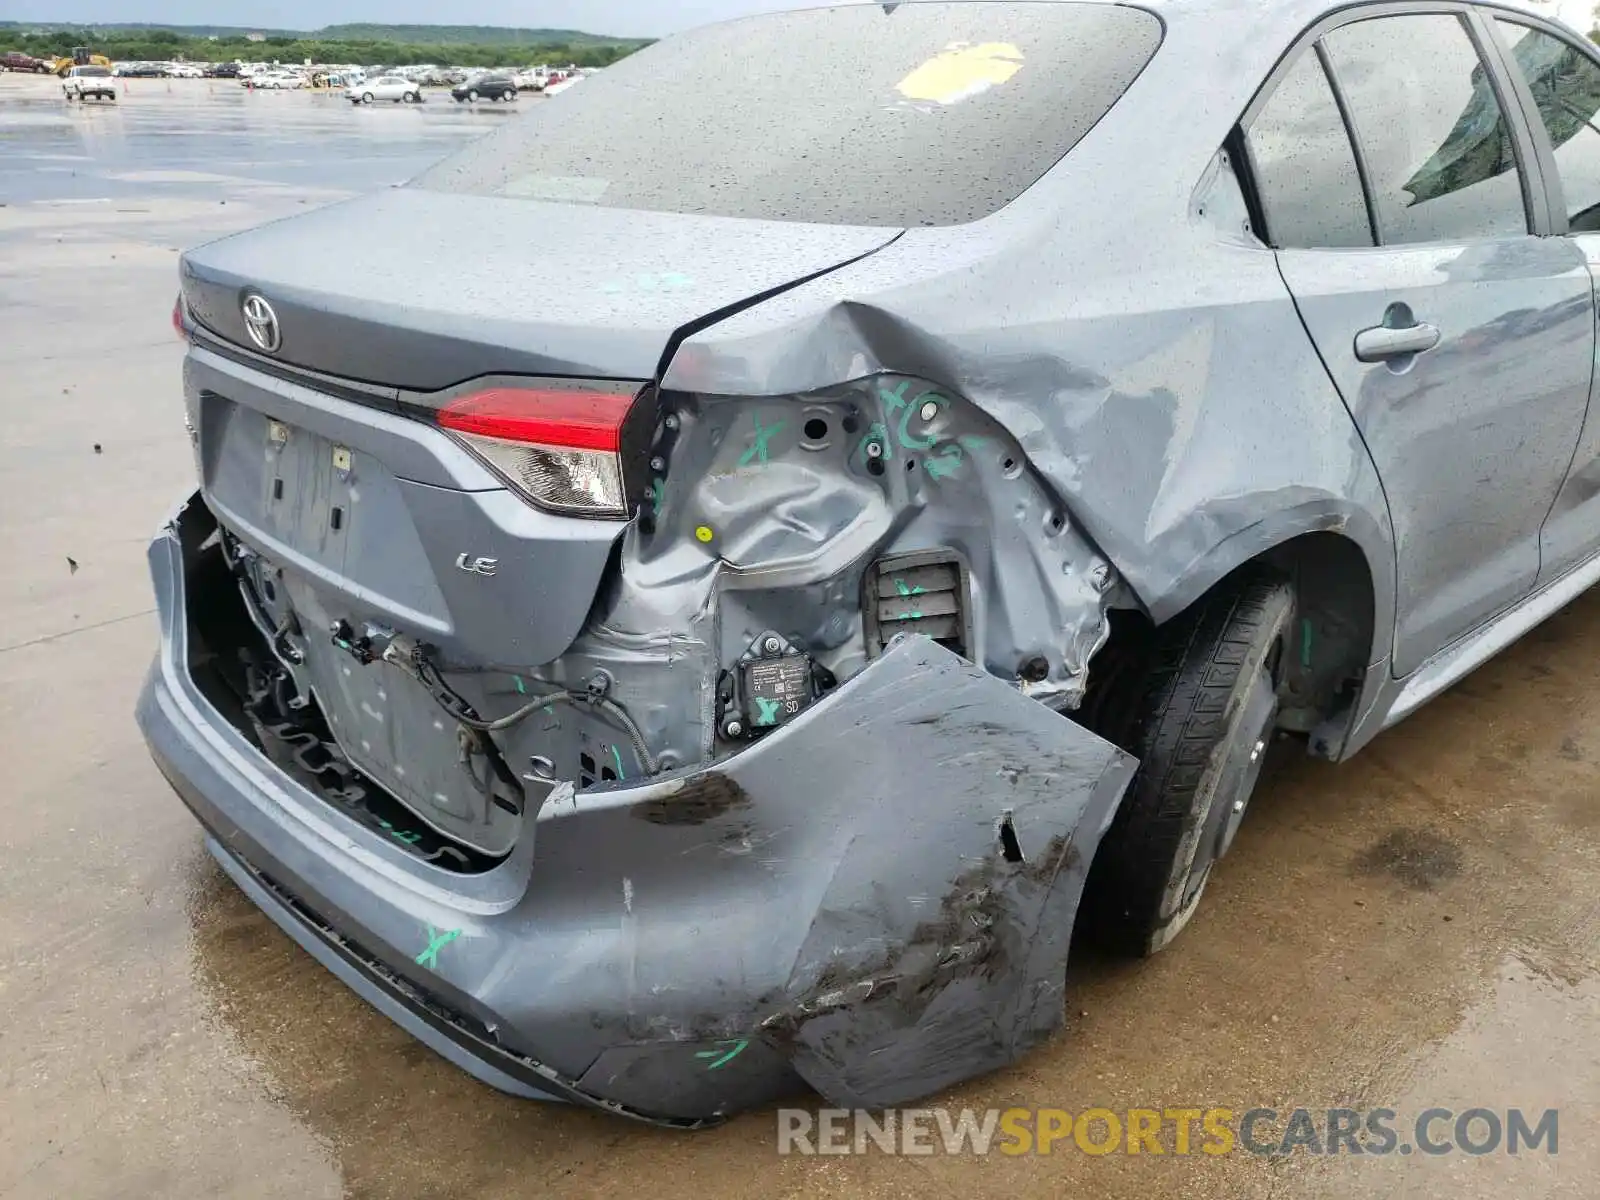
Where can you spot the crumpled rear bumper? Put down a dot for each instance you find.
(875, 900)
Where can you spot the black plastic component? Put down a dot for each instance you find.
(358, 648)
(925, 592)
(776, 689)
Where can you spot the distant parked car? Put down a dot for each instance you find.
(83, 83)
(182, 71)
(275, 80)
(385, 87)
(223, 70)
(486, 87)
(15, 60)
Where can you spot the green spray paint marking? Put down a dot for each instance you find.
(657, 493)
(521, 691)
(758, 446)
(900, 586)
(1305, 642)
(409, 836)
(948, 462)
(907, 441)
(617, 754)
(723, 1058)
(894, 399)
(769, 711)
(436, 942)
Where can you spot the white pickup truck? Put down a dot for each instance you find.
(82, 83)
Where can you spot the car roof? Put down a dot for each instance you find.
(1255, 14)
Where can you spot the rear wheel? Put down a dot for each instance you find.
(409, 97)
(366, 98)
(1200, 732)
(509, 95)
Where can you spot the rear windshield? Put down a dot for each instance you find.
(91, 72)
(869, 114)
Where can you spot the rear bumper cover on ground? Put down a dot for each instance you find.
(834, 906)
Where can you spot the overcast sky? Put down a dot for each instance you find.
(642, 17)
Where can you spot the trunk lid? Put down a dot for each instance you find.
(355, 522)
(422, 290)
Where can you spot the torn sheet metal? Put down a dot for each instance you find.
(837, 904)
(771, 515)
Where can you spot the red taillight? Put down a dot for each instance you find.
(177, 319)
(550, 417)
(560, 447)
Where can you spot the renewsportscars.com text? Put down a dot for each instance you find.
(1178, 1131)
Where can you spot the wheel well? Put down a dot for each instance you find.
(1335, 618)
(1332, 645)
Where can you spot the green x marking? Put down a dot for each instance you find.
(769, 711)
(723, 1059)
(437, 941)
(758, 446)
(900, 586)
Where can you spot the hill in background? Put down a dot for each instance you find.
(435, 35)
(396, 45)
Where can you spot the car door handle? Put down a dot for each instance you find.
(1383, 342)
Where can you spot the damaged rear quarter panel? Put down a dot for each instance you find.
(1147, 358)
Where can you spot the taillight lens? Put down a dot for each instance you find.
(177, 319)
(560, 447)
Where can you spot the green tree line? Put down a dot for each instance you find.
(159, 45)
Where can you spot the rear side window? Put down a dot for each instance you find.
(1438, 149)
(865, 114)
(1566, 89)
(1305, 170)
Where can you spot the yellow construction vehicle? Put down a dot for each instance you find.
(80, 58)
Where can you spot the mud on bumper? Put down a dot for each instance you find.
(875, 900)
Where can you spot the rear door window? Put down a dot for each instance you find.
(1305, 169)
(862, 114)
(1565, 83)
(1439, 153)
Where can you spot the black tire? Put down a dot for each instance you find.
(366, 98)
(508, 96)
(1200, 730)
(472, 96)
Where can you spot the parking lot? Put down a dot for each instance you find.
(1418, 928)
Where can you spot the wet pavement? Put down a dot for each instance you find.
(1418, 928)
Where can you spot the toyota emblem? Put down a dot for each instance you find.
(261, 323)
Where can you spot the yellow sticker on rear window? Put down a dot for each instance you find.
(960, 71)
